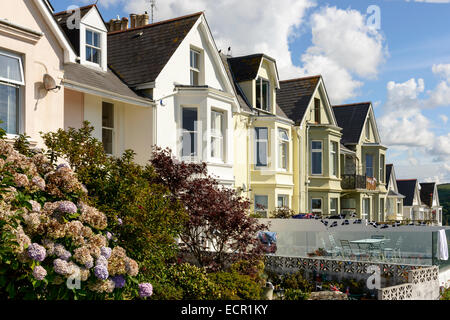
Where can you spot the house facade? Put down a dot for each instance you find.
(393, 210)
(430, 198)
(413, 209)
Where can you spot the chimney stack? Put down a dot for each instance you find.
(133, 21)
(145, 19)
(124, 23)
(117, 25)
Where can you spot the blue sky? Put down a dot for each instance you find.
(396, 73)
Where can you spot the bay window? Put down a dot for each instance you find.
(261, 205)
(382, 166)
(283, 201)
(366, 209)
(369, 165)
(261, 146)
(263, 94)
(334, 159)
(11, 82)
(316, 206)
(190, 133)
(316, 157)
(283, 149)
(217, 141)
(108, 127)
(93, 47)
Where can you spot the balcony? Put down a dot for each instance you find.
(353, 181)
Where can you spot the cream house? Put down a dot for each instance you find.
(430, 198)
(413, 209)
(393, 203)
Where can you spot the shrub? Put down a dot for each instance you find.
(49, 234)
(282, 213)
(296, 281)
(295, 294)
(235, 286)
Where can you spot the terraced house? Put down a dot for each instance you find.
(278, 142)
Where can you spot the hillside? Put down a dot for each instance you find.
(444, 198)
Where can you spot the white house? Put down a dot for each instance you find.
(176, 63)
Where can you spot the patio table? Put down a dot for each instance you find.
(369, 241)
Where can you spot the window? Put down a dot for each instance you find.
(11, 82)
(367, 129)
(381, 218)
(190, 131)
(316, 157)
(217, 119)
(108, 127)
(333, 206)
(261, 205)
(263, 94)
(334, 158)
(93, 47)
(283, 201)
(317, 110)
(283, 150)
(369, 165)
(366, 209)
(195, 68)
(262, 146)
(316, 206)
(382, 166)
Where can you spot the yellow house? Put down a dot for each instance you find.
(264, 150)
(363, 169)
(316, 140)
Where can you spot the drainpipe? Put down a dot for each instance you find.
(249, 153)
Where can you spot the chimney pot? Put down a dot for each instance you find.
(145, 19)
(117, 25)
(124, 23)
(133, 18)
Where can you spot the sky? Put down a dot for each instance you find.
(394, 53)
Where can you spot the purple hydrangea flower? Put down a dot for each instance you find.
(106, 252)
(61, 267)
(62, 165)
(109, 235)
(39, 273)
(119, 281)
(89, 264)
(145, 290)
(119, 221)
(67, 207)
(102, 261)
(101, 272)
(36, 252)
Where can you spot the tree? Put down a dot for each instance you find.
(218, 216)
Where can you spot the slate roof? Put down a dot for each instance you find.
(106, 81)
(294, 96)
(138, 55)
(245, 68)
(427, 192)
(242, 99)
(351, 118)
(407, 188)
(73, 35)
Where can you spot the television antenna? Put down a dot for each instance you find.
(152, 10)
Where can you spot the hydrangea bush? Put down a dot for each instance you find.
(53, 244)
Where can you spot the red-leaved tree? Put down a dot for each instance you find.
(218, 216)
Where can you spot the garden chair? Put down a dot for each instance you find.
(348, 251)
(335, 248)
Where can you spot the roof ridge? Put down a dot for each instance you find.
(158, 23)
(406, 179)
(302, 78)
(352, 104)
(81, 8)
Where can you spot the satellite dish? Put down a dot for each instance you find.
(50, 83)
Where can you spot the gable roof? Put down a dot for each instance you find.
(246, 68)
(107, 82)
(351, 118)
(294, 96)
(139, 54)
(73, 35)
(408, 189)
(427, 193)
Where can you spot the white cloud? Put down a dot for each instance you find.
(343, 46)
(444, 118)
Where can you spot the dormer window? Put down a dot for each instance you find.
(195, 67)
(263, 94)
(93, 47)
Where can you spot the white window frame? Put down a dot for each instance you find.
(257, 141)
(19, 59)
(195, 132)
(263, 211)
(285, 200)
(193, 68)
(92, 46)
(283, 142)
(321, 157)
(112, 129)
(364, 214)
(334, 159)
(320, 211)
(268, 94)
(218, 134)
